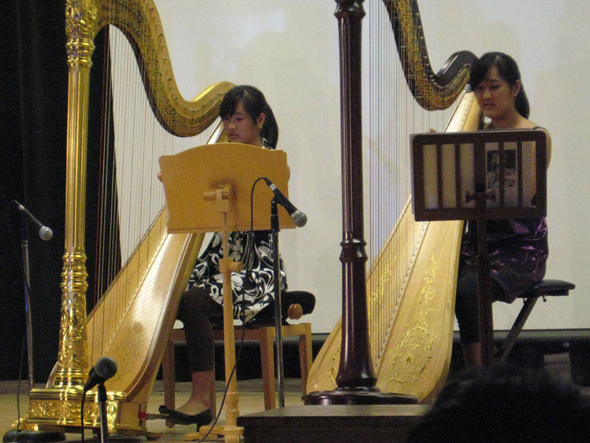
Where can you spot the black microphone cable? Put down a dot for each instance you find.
(243, 326)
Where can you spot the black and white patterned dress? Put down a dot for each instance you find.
(253, 286)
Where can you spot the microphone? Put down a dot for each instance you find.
(44, 232)
(298, 217)
(104, 369)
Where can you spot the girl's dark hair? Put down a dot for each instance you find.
(508, 70)
(255, 104)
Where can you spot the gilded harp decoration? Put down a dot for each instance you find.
(431, 90)
(397, 350)
(131, 321)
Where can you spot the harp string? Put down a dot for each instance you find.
(130, 196)
(103, 242)
(392, 115)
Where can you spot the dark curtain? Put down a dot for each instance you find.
(33, 155)
(33, 150)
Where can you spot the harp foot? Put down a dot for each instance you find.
(357, 396)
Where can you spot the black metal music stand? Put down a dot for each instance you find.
(480, 176)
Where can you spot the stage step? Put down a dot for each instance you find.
(329, 424)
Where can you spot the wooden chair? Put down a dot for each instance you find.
(264, 334)
(544, 289)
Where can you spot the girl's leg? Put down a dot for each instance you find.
(195, 309)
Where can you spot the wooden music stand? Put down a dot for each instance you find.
(480, 176)
(208, 189)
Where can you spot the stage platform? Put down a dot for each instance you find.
(329, 424)
(300, 423)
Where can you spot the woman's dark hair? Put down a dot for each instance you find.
(508, 70)
(255, 104)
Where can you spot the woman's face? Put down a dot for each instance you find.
(495, 96)
(241, 128)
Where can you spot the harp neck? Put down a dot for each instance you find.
(140, 23)
(432, 91)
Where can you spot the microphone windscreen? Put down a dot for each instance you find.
(105, 368)
(45, 233)
(299, 219)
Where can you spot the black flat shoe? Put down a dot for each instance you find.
(180, 418)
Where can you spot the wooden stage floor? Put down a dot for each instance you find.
(251, 402)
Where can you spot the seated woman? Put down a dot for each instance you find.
(517, 249)
(247, 118)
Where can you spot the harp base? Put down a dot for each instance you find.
(59, 410)
(357, 396)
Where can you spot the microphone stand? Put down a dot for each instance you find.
(274, 224)
(27, 284)
(102, 399)
(19, 435)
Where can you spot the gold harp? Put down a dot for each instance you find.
(131, 322)
(401, 343)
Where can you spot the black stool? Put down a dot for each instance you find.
(546, 288)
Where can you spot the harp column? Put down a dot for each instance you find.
(356, 378)
(356, 368)
(72, 364)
